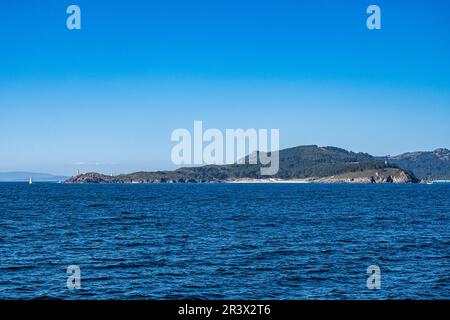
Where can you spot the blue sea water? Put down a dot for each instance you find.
(224, 241)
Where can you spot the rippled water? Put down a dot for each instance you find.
(224, 241)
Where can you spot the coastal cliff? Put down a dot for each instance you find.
(385, 175)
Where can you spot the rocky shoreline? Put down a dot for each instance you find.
(386, 175)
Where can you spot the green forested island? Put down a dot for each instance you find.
(426, 165)
(302, 164)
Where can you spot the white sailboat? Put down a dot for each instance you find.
(31, 180)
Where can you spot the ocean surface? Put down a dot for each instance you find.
(224, 241)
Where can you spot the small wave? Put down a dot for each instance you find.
(97, 205)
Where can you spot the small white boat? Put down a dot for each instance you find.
(31, 180)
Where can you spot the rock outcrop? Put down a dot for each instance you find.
(91, 177)
(386, 175)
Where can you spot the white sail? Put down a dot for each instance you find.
(31, 180)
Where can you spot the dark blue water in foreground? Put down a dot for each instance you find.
(224, 241)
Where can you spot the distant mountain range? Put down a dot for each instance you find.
(427, 165)
(311, 163)
(20, 176)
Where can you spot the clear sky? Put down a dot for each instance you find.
(108, 96)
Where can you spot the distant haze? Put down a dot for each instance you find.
(20, 176)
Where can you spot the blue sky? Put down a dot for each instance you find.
(108, 96)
